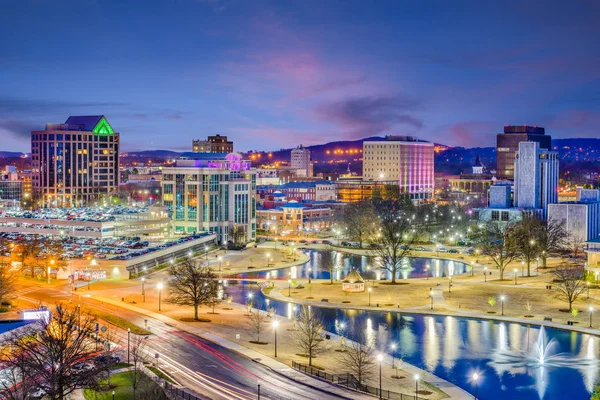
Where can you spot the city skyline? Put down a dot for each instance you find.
(299, 72)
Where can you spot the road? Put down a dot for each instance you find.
(209, 370)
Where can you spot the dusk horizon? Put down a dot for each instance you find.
(298, 72)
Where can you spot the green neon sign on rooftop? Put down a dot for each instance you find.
(103, 128)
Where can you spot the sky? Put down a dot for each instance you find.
(276, 74)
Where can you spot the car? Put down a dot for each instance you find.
(303, 241)
(37, 393)
(453, 251)
(107, 359)
(419, 248)
(346, 244)
(326, 242)
(442, 249)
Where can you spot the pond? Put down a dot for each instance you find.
(514, 361)
(368, 266)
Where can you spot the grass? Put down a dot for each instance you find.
(160, 373)
(267, 290)
(120, 365)
(200, 319)
(124, 324)
(121, 384)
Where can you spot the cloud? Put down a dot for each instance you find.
(17, 128)
(468, 133)
(371, 115)
(13, 106)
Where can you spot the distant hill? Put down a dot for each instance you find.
(11, 154)
(152, 153)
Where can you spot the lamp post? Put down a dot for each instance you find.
(268, 258)
(475, 377)
(113, 394)
(49, 269)
(450, 284)
(485, 274)
(206, 252)
(159, 286)
(128, 342)
(416, 386)
(431, 297)
(309, 274)
(393, 346)
(380, 360)
(258, 391)
(502, 302)
(591, 310)
(289, 288)
(275, 325)
(79, 316)
(220, 262)
(143, 289)
(516, 271)
(369, 290)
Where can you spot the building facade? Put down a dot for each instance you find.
(213, 144)
(294, 218)
(76, 162)
(536, 177)
(212, 192)
(300, 161)
(403, 160)
(507, 144)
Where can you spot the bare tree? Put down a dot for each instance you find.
(552, 239)
(359, 221)
(525, 233)
(329, 260)
(137, 352)
(46, 355)
(358, 359)
(575, 245)
(7, 281)
(309, 333)
(394, 238)
(191, 284)
(569, 282)
(258, 324)
(496, 242)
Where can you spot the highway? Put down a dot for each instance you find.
(208, 370)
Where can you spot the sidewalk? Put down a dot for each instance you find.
(275, 365)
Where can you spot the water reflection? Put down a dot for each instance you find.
(411, 267)
(515, 361)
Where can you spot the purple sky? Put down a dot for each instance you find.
(273, 74)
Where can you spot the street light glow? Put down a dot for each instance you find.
(380, 357)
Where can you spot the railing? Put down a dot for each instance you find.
(179, 393)
(350, 381)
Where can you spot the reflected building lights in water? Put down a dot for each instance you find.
(452, 342)
(294, 272)
(432, 345)
(369, 334)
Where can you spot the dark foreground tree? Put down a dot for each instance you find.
(329, 260)
(552, 239)
(358, 359)
(192, 284)
(359, 221)
(45, 354)
(498, 243)
(569, 282)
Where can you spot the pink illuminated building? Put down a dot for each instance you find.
(400, 160)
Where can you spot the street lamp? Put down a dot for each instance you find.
(113, 393)
(309, 273)
(588, 290)
(220, 261)
(393, 346)
(380, 360)
(516, 271)
(431, 296)
(502, 302)
(275, 325)
(159, 286)
(591, 310)
(206, 252)
(417, 386)
(289, 288)
(143, 289)
(258, 392)
(449, 283)
(49, 269)
(475, 377)
(485, 273)
(128, 341)
(268, 258)
(369, 290)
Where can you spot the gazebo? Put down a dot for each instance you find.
(353, 282)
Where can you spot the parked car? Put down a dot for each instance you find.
(326, 242)
(442, 249)
(37, 393)
(419, 248)
(453, 251)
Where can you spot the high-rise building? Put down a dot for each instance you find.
(507, 144)
(76, 162)
(212, 192)
(300, 161)
(213, 144)
(536, 177)
(400, 160)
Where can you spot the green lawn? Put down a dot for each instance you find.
(161, 374)
(121, 384)
(124, 324)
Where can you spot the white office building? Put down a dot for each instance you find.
(300, 161)
(536, 177)
(212, 192)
